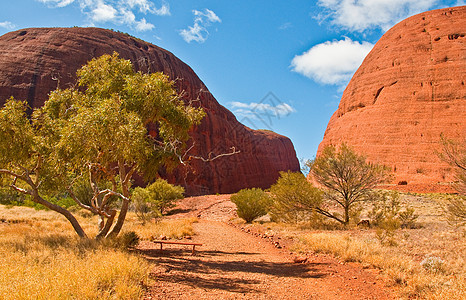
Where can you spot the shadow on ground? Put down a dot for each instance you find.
(202, 269)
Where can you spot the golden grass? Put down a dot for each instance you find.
(171, 228)
(429, 262)
(42, 258)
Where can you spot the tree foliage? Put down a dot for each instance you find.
(294, 198)
(96, 131)
(347, 179)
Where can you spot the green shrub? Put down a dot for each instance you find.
(142, 205)
(294, 199)
(10, 197)
(251, 203)
(155, 199)
(163, 194)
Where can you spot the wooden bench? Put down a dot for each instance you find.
(177, 243)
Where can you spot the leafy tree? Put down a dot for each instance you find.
(96, 132)
(347, 178)
(251, 203)
(293, 196)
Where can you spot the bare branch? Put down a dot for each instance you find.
(210, 158)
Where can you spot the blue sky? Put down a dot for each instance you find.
(278, 65)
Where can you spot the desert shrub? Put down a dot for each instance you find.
(251, 203)
(408, 217)
(294, 199)
(454, 153)
(142, 205)
(455, 210)
(434, 264)
(163, 194)
(388, 214)
(126, 240)
(155, 199)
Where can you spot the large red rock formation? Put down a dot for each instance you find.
(409, 89)
(35, 61)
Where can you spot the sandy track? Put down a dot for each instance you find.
(232, 264)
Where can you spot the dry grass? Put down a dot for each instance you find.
(41, 258)
(171, 228)
(429, 262)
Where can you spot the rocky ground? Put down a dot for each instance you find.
(234, 263)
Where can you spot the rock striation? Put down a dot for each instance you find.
(408, 91)
(35, 61)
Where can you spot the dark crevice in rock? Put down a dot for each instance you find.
(377, 94)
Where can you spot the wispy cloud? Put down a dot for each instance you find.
(198, 32)
(57, 3)
(361, 15)
(116, 11)
(7, 25)
(332, 62)
(259, 110)
(285, 26)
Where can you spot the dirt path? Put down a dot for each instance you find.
(233, 264)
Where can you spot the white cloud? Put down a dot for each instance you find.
(360, 15)
(146, 6)
(103, 13)
(207, 14)
(198, 32)
(261, 110)
(117, 11)
(7, 25)
(332, 62)
(57, 3)
(195, 33)
(143, 25)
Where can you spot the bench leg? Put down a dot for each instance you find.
(194, 246)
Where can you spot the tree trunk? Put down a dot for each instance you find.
(346, 216)
(124, 207)
(76, 226)
(121, 219)
(103, 232)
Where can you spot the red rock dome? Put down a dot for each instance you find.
(408, 91)
(35, 61)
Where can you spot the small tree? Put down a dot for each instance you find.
(97, 133)
(347, 178)
(251, 203)
(162, 195)
(293, 196)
